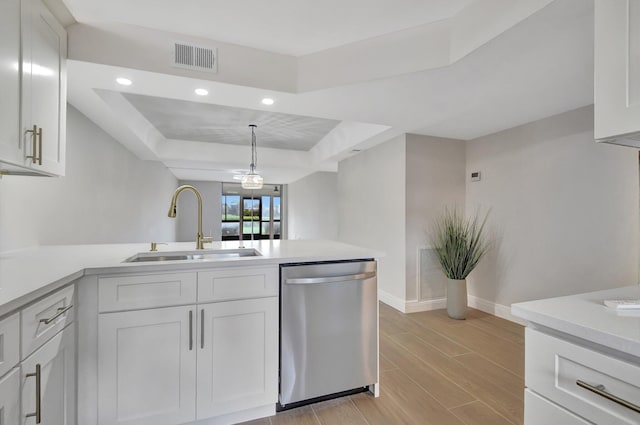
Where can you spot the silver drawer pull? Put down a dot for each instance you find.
(38, 412)
(61, 311)
(312, 280)
(600, 390)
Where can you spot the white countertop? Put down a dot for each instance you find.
(28, 274)
(586, 317)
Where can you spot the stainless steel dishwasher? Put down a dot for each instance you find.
(328, 330)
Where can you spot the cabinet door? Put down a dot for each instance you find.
(44, 51)
(146, 367)
(10, 398)
(10, 147)
(9, 343)
(617, 70)
(56, 386)
(237, 356)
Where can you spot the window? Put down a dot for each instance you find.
(258, 215)
(230, 216)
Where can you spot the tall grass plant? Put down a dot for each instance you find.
(459, 242)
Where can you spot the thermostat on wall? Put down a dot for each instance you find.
(475, 176)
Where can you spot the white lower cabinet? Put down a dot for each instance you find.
(211, 361)
(237, 352)
(146, 368)
(539, 410)
(49, 382)
(10, 398)
(580, 382)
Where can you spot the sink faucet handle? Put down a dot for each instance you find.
(154, 245)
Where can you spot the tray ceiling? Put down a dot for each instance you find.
(205, 122)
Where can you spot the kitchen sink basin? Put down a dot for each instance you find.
(221, 254)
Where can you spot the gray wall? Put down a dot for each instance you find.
(313, 207)
(187, 217)
(564, 210)
(107, 196)
(371, 208)
(434, 180)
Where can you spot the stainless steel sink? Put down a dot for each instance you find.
(205, 255)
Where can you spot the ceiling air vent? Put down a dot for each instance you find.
(195, 58)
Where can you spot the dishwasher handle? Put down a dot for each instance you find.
(314, 280)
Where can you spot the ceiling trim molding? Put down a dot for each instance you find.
(428, 46)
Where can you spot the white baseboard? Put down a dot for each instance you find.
(411, 306)
(414, 306)
(498, 310)
(391, 300)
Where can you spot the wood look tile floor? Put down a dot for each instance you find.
(433, 371)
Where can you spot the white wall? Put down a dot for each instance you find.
(371, 208)
(434, 180)
(564, 210)
(107, 196)
(187, 217)
(313, 207)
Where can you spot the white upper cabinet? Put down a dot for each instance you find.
(10, 144)
(33, 51)
(44, 51)
(617, 72)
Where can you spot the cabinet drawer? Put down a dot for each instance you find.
(553, 367)
(540, 411)
(234, 284)
(9, 343)
(44, 319)
(133, 292)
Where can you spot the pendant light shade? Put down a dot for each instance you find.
(252, 180)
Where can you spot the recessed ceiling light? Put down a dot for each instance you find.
(267, 101)
(124, 81)
(202, 92)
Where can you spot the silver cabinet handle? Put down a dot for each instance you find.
(202, 328)
(38, 376)
(34, 133)
(312, 280)
(190, 330)
(39, 146)
(61, 311)
(600, 390)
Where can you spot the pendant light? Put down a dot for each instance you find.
(252, 180)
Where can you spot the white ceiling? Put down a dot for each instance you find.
(291, 27)
(538, 67)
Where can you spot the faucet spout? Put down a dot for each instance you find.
(173, 210)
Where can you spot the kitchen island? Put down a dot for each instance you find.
(26, 275)
(191, 339)
(582, 359)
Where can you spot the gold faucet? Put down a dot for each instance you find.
(173, 209)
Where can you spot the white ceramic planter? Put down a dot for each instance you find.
(457, 298)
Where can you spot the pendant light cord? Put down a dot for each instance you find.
(254, 153)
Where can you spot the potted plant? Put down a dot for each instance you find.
(459, 243)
